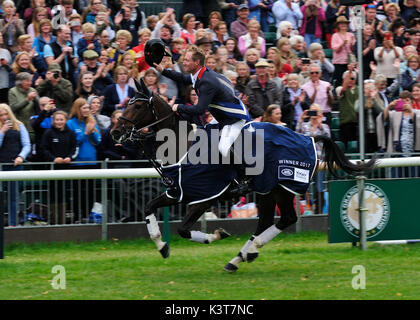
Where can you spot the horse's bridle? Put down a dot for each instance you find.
(137, 135)
(134, 134)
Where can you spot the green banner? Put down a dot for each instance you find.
(393, 210)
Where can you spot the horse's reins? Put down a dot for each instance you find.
(136, 134)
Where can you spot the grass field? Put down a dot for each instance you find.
(293, 266)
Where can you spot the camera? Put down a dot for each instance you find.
(306, 61)
(312, 113)
(56, 74)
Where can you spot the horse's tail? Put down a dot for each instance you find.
(333, 154)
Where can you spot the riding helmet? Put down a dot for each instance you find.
(154, 51)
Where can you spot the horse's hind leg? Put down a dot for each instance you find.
(195, 211)
(152, 226)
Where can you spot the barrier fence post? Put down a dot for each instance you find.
(362, 211)
(104, 200)
(1, 225)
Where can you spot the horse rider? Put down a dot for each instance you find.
(215, 94)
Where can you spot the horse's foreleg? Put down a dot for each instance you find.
(153, 226)
(195, 211)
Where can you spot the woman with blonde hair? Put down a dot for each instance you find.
(122, 40)
(22, 63)
(295, 101)
(252, 38)
(28, 14)
(33, 29)
(11, 26)
(244, 76)
(45, 36)
(282, 68)
(286, 53)
(15, 146)
(131, 65)
(251, 57)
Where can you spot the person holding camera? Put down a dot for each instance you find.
(62, 52)
(57, 88)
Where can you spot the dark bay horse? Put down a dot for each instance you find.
(147, 113)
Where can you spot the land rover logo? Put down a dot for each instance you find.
(287, 172)
(377, 214)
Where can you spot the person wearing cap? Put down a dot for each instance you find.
(262, 91)
(287, 10)
(239, 27)
(204, 44)
(57, 88)
(342, 44)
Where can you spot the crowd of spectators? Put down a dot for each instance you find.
(67, 69)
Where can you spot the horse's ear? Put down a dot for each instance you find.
(138, 85)
(144, 88)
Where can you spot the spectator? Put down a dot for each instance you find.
(62, 52)
(222, 60)
(347, 97)
(23, 100)
(34, 29)
(243, 71)
(104, 23)
(101, 70)
(317, 55)
(90, 13)
(133, 20)
(260, 11)
(392, 11)
(45, 36)
(88, 42)
(23, 63)
(319, 91)
(118, 94)
(398, 30)
(273, 74)
(221, 35)
(211, 62)
(133, 72)
(25, 45)
(298, 45)
(302, 70)
(313, 126)
(313, 17)
(40, 123)
(188, 28)
(172, 27)
(234, 55)
(28, 14)
(58, 145)
(104, 40)
(177, 48)
(287, 10)
(385, 57)
(372, 19)
(57, 88)
(144, 36)
(11, 26)
(88, 138)
(151, 80)
(204, 44)
(122, 45)
(240, 26)
(286, 53)
(252, 37)
(261, 91)
(414, 39)
(214, 18)
(372, 109)
(168, 87)
(412, 75)
(85, 87)
(95, 105)
(284, 30)
(342, 44)
(407, 51)
(369, 45)
(334, 10)
(15, 146)
(295, 101)
(416, 96)
(251, 58)
(407, 8)
(152, 21)
(273, 114)
(385, 93)
(75, 25)
(282, 68)
(5, 62)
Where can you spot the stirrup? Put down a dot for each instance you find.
(241, 188)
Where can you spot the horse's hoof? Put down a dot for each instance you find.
(231, 268)
(165, 251)
(251, 256)
(222, 233)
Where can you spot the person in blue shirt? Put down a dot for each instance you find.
(88, 138)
